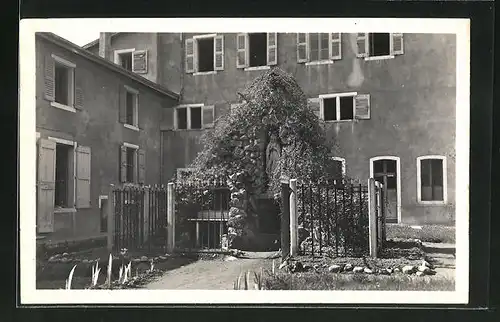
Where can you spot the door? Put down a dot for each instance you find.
(385, 172)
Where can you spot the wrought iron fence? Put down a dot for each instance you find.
(140, 217)
(202, 212)
(333, 218)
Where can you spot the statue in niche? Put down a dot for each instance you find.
(273, 153)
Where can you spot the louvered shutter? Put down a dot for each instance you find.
(362, 106)
(49, 79)
(123, 163)
(335, 45)
(272, 48)
(362, 45)
(83, 167)
(314, 105)
(208, 116)
(219, 52)
(141, 160)
(79, 99)
(190, 55)
(122, 104)
(397, 44)
(301, 47)
(241, 50)
(140, 61)
(46, 185)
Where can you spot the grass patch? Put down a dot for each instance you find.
(428, 233)
(325, 281)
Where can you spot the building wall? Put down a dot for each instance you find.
(97, 126)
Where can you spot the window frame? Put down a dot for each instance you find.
(188, 116)
(337, 96)
(329, 60)
(71, 196)
(392, 54)
(342, 160)
(398, 178)
(134, 147)
(419, 180)
(196, 56)
(117, 59)
(71, 86)
(135, 116)
(247, 49)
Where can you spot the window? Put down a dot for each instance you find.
(339, 168)
(432, 179)
(132, 164)
(129, 110)
(132, 60)
(343, 107)
(316, 48)
(59, 81)
(125, 60)
(256, 50)
(194, 116)
(64, 84)
(379, 45)
(63, 185)
(204, 53)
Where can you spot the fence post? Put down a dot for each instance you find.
(111, 219)
(380, 216)
(294, 245)
(372, 218)
(170, 217)
(285, 218)
(145, 223)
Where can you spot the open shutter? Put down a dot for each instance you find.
(82, 177)
(141, 160)
(396, 44)
(123, 163)
(362, 44)
(208, 116)
(122, 101)
(219, 52)
(49, 79)
(362, 106)
(190, 52)
(46, 185)
(78, 91)
(314, 105)
(140, 61)
(301, 47)
(335, 45)
(241, 50)
(272, 48)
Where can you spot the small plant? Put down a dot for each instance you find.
(70, 278)
(152, 266)
(274, 267)
(95, 274)
(125, 273)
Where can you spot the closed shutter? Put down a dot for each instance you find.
(78, 90)
(208, 116)
(140, 61)
(301, 47)
(396, 44)
(241, 50)
(123, 163)
(314, 105)
(83, 165)
(46, 185)
(335, 45)
(272, 48)
(190, 55)
(49, 79)
(362, 106)
(362, 45)
(141, 159)
(219, 52)
(122, 101)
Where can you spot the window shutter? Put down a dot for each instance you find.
(46, 185)
(123, 163)
(208, 116)
(141, 160)
(362, 45)
(49, 79)
(140, 61)
(190, 52)
(78, 91)
(362, 106)
(335, 45)
(272, 48)
(314, 105)
(122, 101)
(82, 177)
(241, 50)
(396, 44)
(219, 52)
(301, 47)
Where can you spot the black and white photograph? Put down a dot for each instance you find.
(220, 160)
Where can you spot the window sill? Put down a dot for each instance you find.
(431, 203)
(181, 130)
(319, 62)
(64, 210)
(338, 121)
(249, 69)
(63, 107)
(205, 73)
(131, 127)
(380, 57)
